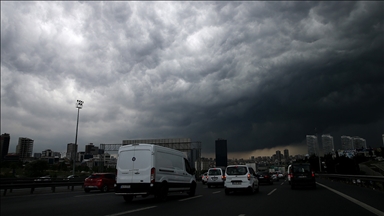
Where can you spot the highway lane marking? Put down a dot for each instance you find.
(216, 192)
(131, 211)
(369, 208)
(190, 198)
(272, 191)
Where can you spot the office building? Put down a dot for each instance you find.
(347, 143)
(91, 149)
(286, 155)
(278, 156)
(4, 145)
(221, 152)
(359, 143)
(328, 146)
(312, 145)
(71, 151)
(24, 148)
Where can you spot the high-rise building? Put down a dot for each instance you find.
(24, 148)
(71, 151)
(327, 141)
(347, 143)
(278, 156)
(312, 145)
(221, 152)
(91, 149)
(359, 143)
(4, 145)
(286, 155)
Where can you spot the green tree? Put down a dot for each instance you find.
(36, 168)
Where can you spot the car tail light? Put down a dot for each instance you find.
(153, 175)
(313, 174)
(223, 178)
(291, 175)
(249, 176)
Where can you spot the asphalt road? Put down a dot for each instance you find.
(329, 198)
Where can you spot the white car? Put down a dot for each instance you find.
(289, 174)
(215, 177)
(240, 178)
(204, 178)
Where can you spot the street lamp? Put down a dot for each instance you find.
(79, 105)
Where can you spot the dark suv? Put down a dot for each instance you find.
(100, 181)
(301, 174)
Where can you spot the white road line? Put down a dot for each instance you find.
(216, 192)
(135, 210)
(272, 191)
(369, 208)
(190, 198)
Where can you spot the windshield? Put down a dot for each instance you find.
(214, 172)
(301, 168)
(237, 170)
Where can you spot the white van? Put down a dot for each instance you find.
(147, 169)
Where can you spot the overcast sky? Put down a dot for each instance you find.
(262, 75)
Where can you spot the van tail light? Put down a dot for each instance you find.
(313, 174)
(153, 170)
(249, 176)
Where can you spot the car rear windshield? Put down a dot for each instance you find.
(237, 170)
(214, 172)
(94, 176)
(301, 168)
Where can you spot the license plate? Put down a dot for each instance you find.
(125, 186)
(214, 178)
(302, 176)
(261, 177)
(236, 183)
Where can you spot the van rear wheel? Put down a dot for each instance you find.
(162, 193)
(192, 190)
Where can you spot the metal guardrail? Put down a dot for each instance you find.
(376, 182)
(10, 184)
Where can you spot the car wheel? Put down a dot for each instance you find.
(162, 193)
(104, 189)
(86, 190)
(227, 191)
(128, 198)
(192, 190)
(292, 186)
(257, 189)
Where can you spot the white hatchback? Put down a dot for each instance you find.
(240, 178)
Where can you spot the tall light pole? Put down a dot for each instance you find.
(79, 105)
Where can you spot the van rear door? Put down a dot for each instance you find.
(134, 165)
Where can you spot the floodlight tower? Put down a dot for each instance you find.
(79, 105)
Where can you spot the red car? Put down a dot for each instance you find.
(100, 181)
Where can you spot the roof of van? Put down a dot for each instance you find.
(151, 146)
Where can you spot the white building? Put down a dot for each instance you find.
(359, 143)
(312, 145)
(347, 143)
(328, 146)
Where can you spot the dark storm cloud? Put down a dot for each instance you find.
(259, 74)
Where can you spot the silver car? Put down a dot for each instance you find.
(240, 178)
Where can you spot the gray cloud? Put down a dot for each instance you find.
(260, 74)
